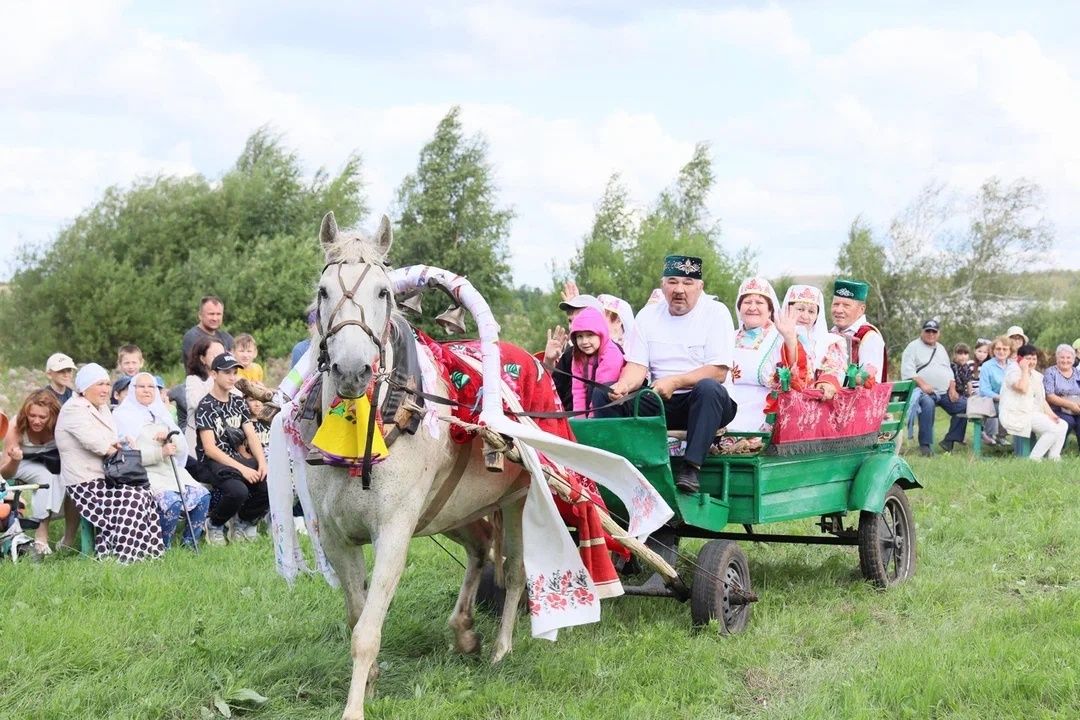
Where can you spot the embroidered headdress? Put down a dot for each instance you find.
(682, 266)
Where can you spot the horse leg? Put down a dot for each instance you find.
(514, 569)
(347, 559)
(391, 547)
(476, 539)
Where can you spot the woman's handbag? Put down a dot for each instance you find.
(124, 467)
(49, 458)
(981, 406)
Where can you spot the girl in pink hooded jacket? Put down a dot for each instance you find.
(596, 357)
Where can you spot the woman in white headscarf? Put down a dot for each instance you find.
(143, 416)
(765, 339)
(620, 317)
(125, 517)
(827, 356)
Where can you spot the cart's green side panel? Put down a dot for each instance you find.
(642, 441)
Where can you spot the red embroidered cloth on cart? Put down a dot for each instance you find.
(803, 417)
(527, 378)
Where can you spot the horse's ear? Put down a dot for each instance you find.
(384, 237)
(328, 231)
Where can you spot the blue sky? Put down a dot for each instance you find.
(815, 112)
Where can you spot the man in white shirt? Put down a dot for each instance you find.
(927, 362)
(683, 344)
(849, 320)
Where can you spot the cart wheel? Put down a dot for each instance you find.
(887, 541)
(721, 588)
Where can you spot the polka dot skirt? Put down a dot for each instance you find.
(125, 518)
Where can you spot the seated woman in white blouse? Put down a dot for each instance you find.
(1023, 408)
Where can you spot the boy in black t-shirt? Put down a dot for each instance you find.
(231, 451)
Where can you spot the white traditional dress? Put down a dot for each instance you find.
(827, 355)
(755, 357)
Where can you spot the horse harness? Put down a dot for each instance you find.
(405, 373)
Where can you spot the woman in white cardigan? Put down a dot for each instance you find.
(125, 518)
(1023, 408)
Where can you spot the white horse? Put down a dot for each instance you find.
(355, 300)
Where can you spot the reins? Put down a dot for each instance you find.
(381, 375)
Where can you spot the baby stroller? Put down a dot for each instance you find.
(15, 543)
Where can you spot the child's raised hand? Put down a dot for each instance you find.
(556, 341)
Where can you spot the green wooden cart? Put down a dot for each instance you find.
(765, 486)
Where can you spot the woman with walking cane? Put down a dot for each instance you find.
(144, 417)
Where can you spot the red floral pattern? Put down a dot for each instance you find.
(802, 416)
(562, 591)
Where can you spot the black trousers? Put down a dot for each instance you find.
(701, 412)
(236, 497)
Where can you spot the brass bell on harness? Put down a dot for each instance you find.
(411, 305)
(452, 320)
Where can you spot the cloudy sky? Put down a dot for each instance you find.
(815, 111)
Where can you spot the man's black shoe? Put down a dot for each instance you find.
(925, 451)
(687, 481)
(946, 445)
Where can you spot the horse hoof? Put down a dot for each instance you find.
(499, 654)
(468, 643)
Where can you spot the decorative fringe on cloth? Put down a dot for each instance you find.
(809, 447)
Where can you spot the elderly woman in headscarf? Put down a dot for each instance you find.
(826, 352)
(619, 315)
(766, 339)
(125, 517)
(144, 417)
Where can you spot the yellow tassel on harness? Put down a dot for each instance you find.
(344, 431)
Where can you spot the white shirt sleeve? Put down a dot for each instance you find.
(637, 345)
(907, 361)
(720, 337)
(872, 353)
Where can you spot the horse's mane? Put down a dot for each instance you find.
(353, 246)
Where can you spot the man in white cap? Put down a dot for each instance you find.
(60, 370)
(927, 362)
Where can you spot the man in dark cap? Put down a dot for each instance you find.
(927, 362)
(683, 344)
(849, 320)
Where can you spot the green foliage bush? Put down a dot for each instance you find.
(131, 269)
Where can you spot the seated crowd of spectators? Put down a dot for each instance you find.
(202, 446)
(998, 383)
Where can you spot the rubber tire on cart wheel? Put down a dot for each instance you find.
(887, 541)
(719, 564)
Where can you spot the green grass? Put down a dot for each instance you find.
(988, 628)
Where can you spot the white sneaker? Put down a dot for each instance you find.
(244, 532)
(215, 535)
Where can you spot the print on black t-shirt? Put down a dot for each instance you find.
(212, 414)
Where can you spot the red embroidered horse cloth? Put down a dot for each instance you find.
(852, 413)
(533, 386)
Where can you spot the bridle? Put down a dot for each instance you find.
(334, 327)
(380, 343)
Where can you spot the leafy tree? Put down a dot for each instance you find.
(626, 259)
(448, 215)
(132, 267)
(951, 259)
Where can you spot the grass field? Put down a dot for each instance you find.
(989, 628)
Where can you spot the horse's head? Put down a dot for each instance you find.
(354, 303)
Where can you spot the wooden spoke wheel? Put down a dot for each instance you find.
(887, 541)
(721, 588)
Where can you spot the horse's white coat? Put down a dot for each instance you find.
(402, 486)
